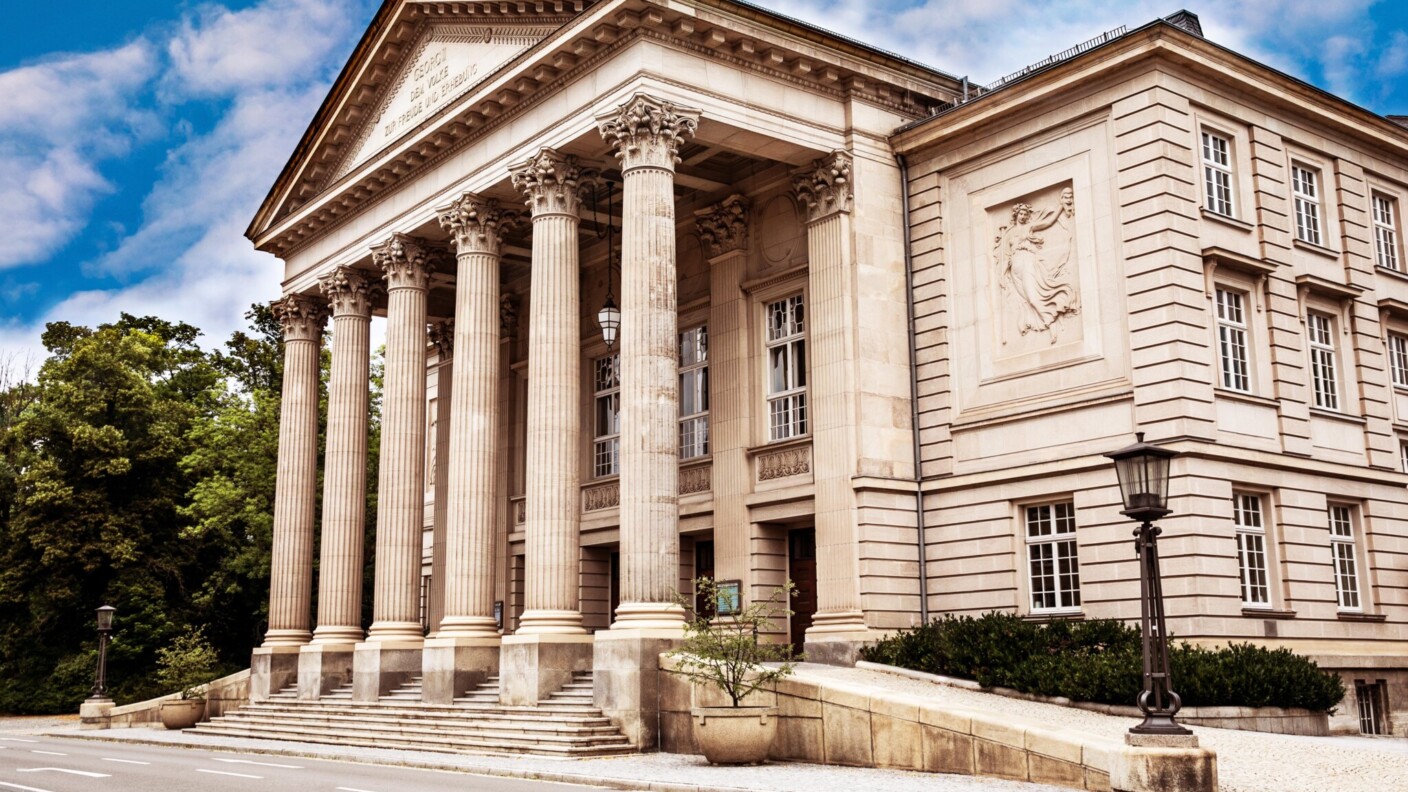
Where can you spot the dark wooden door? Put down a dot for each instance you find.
(615, 587)
(801, 568)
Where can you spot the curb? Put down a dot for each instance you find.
(497, 772)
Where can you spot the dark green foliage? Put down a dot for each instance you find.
(1101, 661)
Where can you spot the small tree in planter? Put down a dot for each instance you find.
(721, 650)
(187, 664)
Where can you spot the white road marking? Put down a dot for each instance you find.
(261, 764)
(47, 753)
(125, 761)
(17, 739)
(22, 787)
(222, 772)
(83, 773)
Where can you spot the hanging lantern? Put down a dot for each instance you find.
(609, 317)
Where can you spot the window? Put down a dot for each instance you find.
(1232, 339)
(1403, 455)
(1342, 551)
(1385, 233)
(694, 392)
(1372, 698)
(1052, 564)
(1320, 328)
(1251, 550)
(606, 449)
(1398, 359)
(1217, 173)
(1306, 190)
(787, 369)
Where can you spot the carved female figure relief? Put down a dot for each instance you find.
(1034, 264)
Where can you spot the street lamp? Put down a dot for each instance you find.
(1143, 473)
(100, 683)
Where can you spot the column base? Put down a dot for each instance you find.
(396, 632)
(533, 667)
(338, 636)
(323, 668)
(649, 616)
(627, 679)
(551, 622)
(280, 638)
(451, 666)
(271, 669)
(835, 638)
(379, 667)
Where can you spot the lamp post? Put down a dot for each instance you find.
(1143, 473)
(100, 682)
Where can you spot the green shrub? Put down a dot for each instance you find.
(1101, 661)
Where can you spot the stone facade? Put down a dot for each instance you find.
(487, 175)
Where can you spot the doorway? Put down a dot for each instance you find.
(801, 567)
(703, 568)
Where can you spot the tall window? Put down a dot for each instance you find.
(606, 448)
(1342, 551)
(1232, 340)
(1403, 455)
(1305, 187)
(1052, 562)
(1251, 549)
(1322, 361)
(1385, 233)
(787, 369)
(1217, 173)
(1398, 359)
(694, 392)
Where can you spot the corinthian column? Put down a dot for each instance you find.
(550, 643)
(825, 191)
(646, 133)
(296, 491)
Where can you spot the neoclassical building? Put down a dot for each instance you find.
(870, 328)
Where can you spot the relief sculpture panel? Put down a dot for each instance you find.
(1034, 253)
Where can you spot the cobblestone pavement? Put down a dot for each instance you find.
(31, 723)
(1246, 761)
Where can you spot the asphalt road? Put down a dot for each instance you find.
(41, 764)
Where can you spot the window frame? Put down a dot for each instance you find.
(796, 396)
(1244, 533)
(1323, 360)
(1226, 328)
(1396, 349)
(1211, 168)
(1067, 600)
(1388, 252)
(1342, 520)
(610, 440)
(1308, 204)
(698, 369)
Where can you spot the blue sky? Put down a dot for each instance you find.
(137, 137)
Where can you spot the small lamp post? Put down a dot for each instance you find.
(100, 682)
(1143, 473)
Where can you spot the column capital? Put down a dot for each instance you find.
(349, 292)
(824, 188)
(723, 227)
(406, 261)
(647, 131)
(552, 183)
(301, 316)
(442, 337)
(477, 224)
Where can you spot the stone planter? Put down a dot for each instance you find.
(182, 713)
(735, 735)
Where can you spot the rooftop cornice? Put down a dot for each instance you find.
(307, 200)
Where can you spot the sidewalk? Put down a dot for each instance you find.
(656, 772)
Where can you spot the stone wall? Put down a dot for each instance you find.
(221, 696)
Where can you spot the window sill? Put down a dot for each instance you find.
(1051, 616)
(1335, 415)
(1250, 398)
(1362, 617)
(773, 445)
(1268, 613)
(1392, 273)
(1319, 250)
(1229, 220)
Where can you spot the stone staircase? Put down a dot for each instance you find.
(566, 724)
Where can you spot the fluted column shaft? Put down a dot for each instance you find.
(551, 183)
(477, 226)
(296, 488)
(647, 133)
(442, 339)
(345, 461)
(407, 264)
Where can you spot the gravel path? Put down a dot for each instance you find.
(1246, 761)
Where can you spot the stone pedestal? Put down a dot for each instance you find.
(452, 666)
(1140, 769)
(323, 668)
(271, 669)
(95, 714)
(837, 648)
(534, 666)
(379, 667)
(627, 680)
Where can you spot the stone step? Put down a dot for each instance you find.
(543, 733)
(505, 722)
(376, 710)
(452, 717)
(446, 743)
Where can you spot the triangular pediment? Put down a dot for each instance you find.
(447, 60)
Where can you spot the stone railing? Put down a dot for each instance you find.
(596, 497)
(697, 477)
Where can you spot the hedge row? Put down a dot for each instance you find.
(1100, 661)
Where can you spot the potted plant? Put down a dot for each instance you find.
(721, 650)
(187, 664)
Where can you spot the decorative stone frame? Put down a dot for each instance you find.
(1333, 300)
(1328, 195)
(1397, 194)
(1358, 521)
(1240, 157)
(1243, 274)
(759, 294)
(1276, 577)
